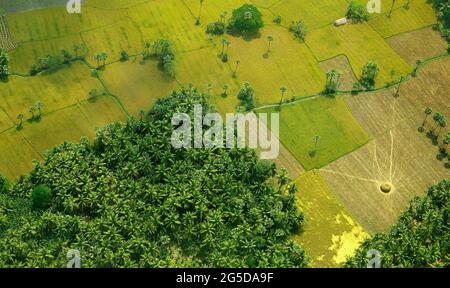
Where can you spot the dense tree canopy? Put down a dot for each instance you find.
(442, 8)
(4, 63)
(421, 238)
(357, 11)
(246, 20)
(129, 199)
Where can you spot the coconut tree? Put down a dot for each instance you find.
(98, 58)
(76, 48)
(148, 45)
(20, 117)
(392, 8)
(317, 139)
(104, 56)
(141, 114)
(224, 42)
(283, 90)
(39, 106)
(236, 68)
(209, 87)
(199, 12)
(32, 111)
(227, 43)
(427, 111)
(437, 118)
(222, 16)
(225, 90)
(269, 39)
(446, 140)
(442, 123)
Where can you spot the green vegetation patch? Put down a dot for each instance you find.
(329, 118)
(144, 203)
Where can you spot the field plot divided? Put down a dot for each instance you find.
(360, 44)
(137, 84)
(328, 118)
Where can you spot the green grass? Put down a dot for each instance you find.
(327, 117)
(330, 232)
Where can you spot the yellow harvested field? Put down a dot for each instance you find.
(55, 90)
(330, 234)
(137, 85)
(17, 154)
(360, 44)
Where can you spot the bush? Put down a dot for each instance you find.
(41, 197)
(357, 12)
(216, 28)
(246, 20)
(299, 29)
(123, 56)
(277, 20)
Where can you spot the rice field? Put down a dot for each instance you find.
(364, 140)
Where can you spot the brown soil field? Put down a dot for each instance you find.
(340, 64)
(6, 40)
(418, 45)
(398, 153)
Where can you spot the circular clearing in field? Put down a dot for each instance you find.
(386, 187)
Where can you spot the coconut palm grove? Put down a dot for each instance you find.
(116, 149)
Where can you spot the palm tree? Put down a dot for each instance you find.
(316, 141)
(32, 110)
(76, 48)
(199, 13)
(236, 68)
(209, 87)
(283, 90)
(225, 90)
(437, 118)
(227, 42)
(392, 8)
(441, 123)
(39, 106)
(222, 16)
(98, 57)
(141, 114)
(104, 56)
(270, 39)
(20, 117)
(427, 111)
(147, 46)
(446, 140)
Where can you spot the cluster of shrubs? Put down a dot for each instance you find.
(51, 62)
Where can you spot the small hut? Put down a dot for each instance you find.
(340, 22)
